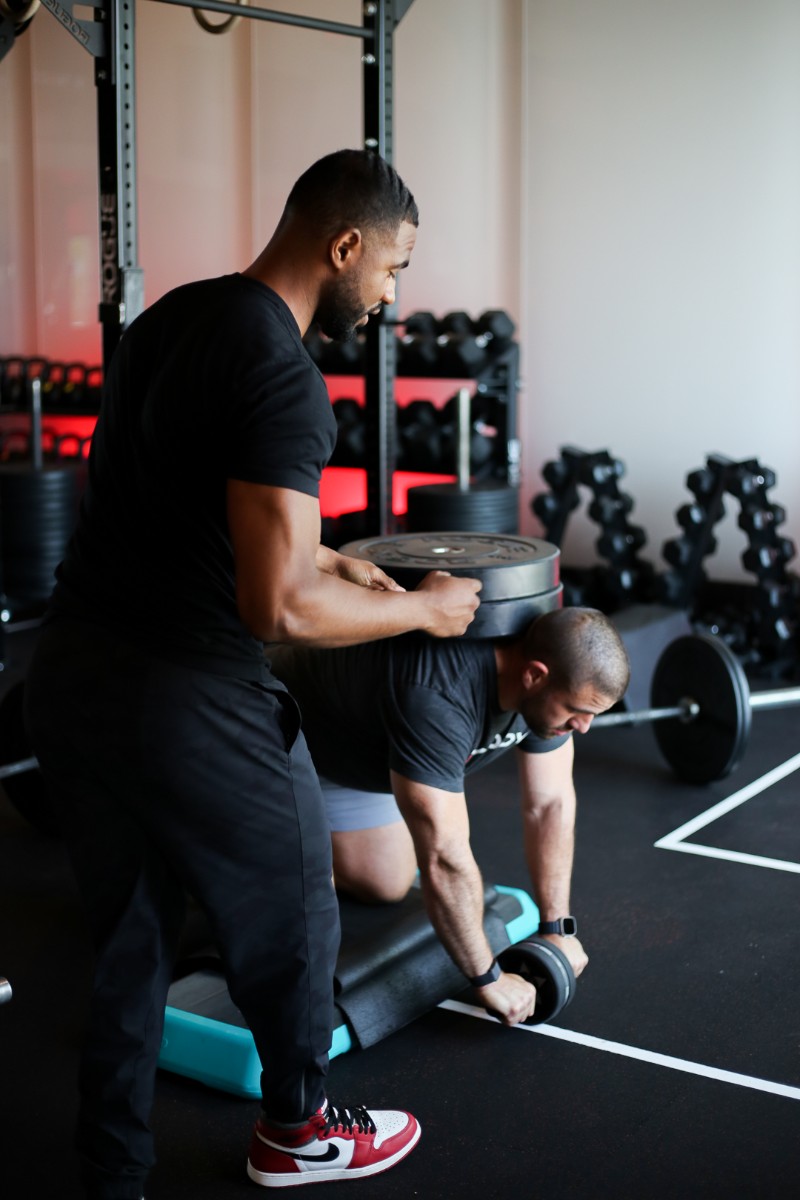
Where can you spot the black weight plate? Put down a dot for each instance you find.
(548, 969)
(705, 670)
(509, 567)
(451, 498)
(508, 618)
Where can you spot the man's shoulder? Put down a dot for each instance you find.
(430, 661)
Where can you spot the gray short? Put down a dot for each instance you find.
(349, 808)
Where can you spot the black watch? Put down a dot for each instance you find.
(490, 976)
(566, 926)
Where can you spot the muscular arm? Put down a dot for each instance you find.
(548, 824)
(452, 888)
(287, 592)
(355, 570)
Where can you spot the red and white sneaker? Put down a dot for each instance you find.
(336, 1143)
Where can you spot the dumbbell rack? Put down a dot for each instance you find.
(626, 578)
(427, 428)
(767, 632)
(67, 389)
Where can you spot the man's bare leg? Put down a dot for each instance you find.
(374, 865)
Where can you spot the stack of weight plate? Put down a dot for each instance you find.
(520, 576)
(487, 505)
(38, 510)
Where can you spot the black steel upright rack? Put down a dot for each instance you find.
(109, 37)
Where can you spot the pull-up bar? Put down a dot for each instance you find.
(280, 18)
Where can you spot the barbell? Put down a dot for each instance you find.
(701, 708)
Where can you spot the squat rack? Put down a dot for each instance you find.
(109, 37)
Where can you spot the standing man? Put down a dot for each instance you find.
(174, 755)
(394, 727)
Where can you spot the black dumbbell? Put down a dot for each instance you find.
(420, 437)
(350, 449)
(417, 354)
(457, 322)
(421, 322)
(460, 356)
(497, 327)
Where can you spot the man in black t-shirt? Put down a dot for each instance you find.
(394, 727)
(173, 754)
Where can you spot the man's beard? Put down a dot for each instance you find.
(339, 312)
(533, 718)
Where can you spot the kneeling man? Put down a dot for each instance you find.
(395, 726)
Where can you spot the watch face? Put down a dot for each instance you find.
(570, 926)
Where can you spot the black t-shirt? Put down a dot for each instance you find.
(424, 707)
(210, 383)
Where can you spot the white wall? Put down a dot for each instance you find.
(662, 247)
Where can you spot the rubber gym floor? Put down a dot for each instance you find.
(675, 1071)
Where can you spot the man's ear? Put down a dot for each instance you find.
(534, 675)
(345, 249)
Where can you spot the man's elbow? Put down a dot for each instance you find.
(284, 618)
(440, 864)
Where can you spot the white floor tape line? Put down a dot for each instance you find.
(677, 839)
(649, 1056)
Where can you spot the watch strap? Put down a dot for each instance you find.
(565, 926)
(490, 976)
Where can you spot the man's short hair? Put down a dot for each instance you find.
(580, 647)
(351, 189)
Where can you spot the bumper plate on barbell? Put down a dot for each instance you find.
(703, 669)
(520, 576)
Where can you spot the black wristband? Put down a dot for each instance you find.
(566, 926)
(490, 976)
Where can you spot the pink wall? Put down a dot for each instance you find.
(225, 125)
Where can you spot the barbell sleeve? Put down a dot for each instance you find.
(776, 698)
(683, 712)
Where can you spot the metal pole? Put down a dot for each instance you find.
(381, 353)
(685, 711)
(121, 278)
(779, 698)
(36, 424)
(464, 426)
(688, 709)
(268, 14)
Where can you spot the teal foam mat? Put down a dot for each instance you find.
(215, 1047)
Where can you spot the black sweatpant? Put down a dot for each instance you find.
(170, 779)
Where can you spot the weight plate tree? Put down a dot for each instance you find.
(520, 576)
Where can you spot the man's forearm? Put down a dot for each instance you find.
(548, 823)
(549, 838)
(454, 900)
(452, 886)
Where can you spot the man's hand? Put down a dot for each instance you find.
(578, 958)
(510, 998)
(454, 600)
(356, 570)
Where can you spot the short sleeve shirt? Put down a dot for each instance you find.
(210, 383)
(423, 707)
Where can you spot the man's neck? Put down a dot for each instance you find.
(508, 659)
